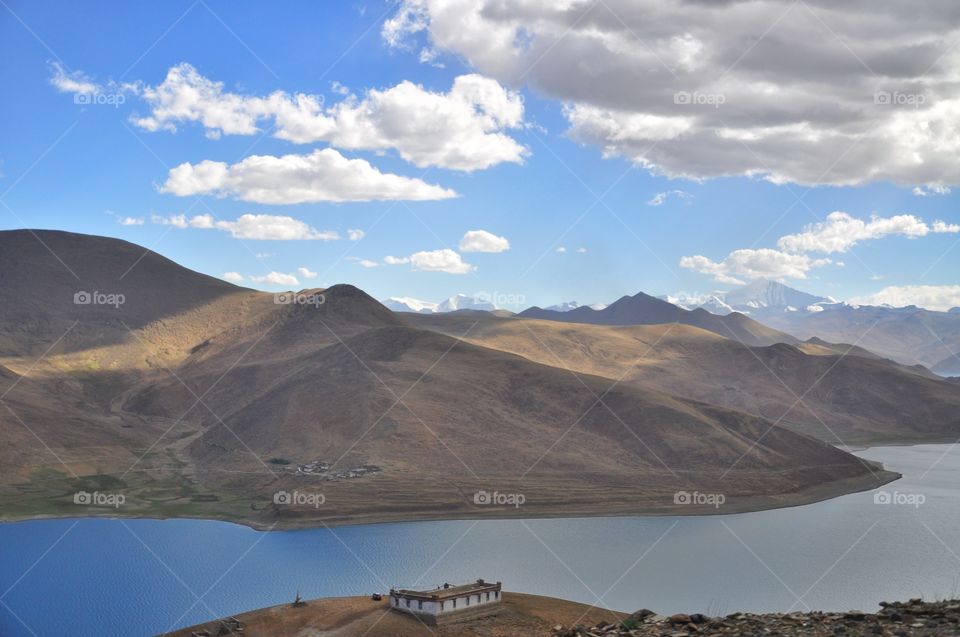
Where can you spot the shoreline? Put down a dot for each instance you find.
(743, 505)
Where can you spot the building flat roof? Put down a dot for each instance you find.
(448, 591)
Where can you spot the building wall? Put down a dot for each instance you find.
(434, 608)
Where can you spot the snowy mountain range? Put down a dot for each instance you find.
(566, 306)
(454, 303)
(759, 298)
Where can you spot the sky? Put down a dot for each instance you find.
(532, 152)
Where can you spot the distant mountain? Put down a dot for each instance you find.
(762, 295)
(643, 309)
(407, 304)
(909, 335)
(566, 306)
(453, 304)
(465, 302)
(758, 298)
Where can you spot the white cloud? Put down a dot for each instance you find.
(75, 82)
(763, 263)
(931, 189)
(445, 260)
(276, 278)
(233, 277)
(840, 232)
(661, 197)
(131, 221)
(355, 234)
(942, 227)
(367, 263)
(483, 241)
(461, 129)
(815, 92)
(582, 250)
(562, 249)
(251, 226)
(306, 273)
(932, 297)
(323, 175)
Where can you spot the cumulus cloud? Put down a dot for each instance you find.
(367, 263)
(932, 297)
(323, 175)
(483, 241)
(661, 197)
(253, 226)
(942, 227)
(842, 231)
(355, 234)
(276, 278)
(838, 233)
(561, 249)
(131, 221)
(763, 263)
(445, 260)
(72, 82)
(306, 273)
(461, 129)
(810, 92)
(233, 277)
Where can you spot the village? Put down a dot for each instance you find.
(321, 468)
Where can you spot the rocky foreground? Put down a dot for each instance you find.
(896, 619)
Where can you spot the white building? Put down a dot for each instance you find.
(448, 603)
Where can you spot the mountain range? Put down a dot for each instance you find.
(453, 304)
(643, 309)
(123, 371)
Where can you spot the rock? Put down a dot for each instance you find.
(641, 614)
(854, 615)
(679, 618)
(698, 618)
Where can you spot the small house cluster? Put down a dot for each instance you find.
(448, 603)
(322, 469)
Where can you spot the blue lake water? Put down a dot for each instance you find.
(98, 577)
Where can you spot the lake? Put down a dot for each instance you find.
(100, 577)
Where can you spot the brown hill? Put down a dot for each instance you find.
(209, 408)
(643, 309)
(848, 394)
(520, 614)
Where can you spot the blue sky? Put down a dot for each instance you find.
(85, 167)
